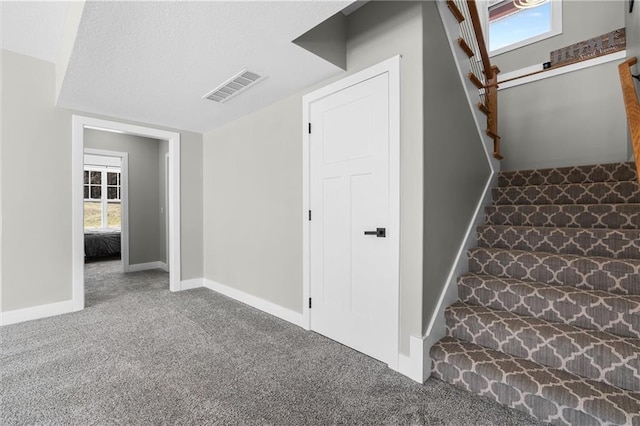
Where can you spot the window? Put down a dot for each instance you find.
(102, 207)
(517, 23)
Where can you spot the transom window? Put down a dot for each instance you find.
(516, 23)
(102, 206)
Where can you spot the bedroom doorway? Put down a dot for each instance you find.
(171, 209)
(105, 206)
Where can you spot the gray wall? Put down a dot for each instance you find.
(36, 186)
(36, 145)
(253, 176)
(252, 202)
(144, 190)
(575, 118)
(456, 167)
(191, 193)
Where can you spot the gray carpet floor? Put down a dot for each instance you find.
(139, 354)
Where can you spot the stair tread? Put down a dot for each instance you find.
(634, 262)
(610, 172)
(616, 233)
(568, 392)
(589, 309)
(620, 276)
(568, 193)
(593, 298)
(608, 216)
(590, 353)
(614, 243)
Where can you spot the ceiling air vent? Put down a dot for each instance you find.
(232, 87)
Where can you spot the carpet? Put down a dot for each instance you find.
(139, 354)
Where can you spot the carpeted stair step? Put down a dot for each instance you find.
(566, 175)
(588, 353)
(620, 276)
(611, 216)
(589, 193)
(589, 309)
(549, 394)
(614, 243)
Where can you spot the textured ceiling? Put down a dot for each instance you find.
(33, 28)
(153, 61)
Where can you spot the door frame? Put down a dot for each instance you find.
(167, 218)
(79, 123)
(124, 200)
(391, 67)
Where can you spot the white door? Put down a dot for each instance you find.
(353, 266)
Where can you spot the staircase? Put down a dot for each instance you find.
(548, 318)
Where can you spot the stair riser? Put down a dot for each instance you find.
(596, 357)
(596, 193)
(569, 175)
(531, 404)
(604, 243)
(616, 276)
(592, 317)
(610, 216)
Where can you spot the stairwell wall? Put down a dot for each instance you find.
(456, 166)
(574, 118)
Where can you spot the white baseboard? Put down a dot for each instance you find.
(36, 312)
(192, 283)
(146, 266)
(256, 302)
(416, 366)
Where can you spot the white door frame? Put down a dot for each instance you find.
(167, 168)
(392, 68)
(124, 201)
(79, 123)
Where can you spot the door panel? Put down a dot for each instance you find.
(352, 274)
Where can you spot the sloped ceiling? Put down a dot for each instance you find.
(153, 61)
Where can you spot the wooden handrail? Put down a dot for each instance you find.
(492, 104)
(632, 106)
(477, 29)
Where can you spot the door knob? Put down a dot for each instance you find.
(379, 232)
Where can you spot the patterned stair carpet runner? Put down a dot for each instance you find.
(548, 317)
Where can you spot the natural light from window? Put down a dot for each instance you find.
(102, 206)
(511, 26)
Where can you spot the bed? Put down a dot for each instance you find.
(101, 243)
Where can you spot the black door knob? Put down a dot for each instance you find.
(379, 232)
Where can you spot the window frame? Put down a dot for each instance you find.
(556, 28)
(104, 200)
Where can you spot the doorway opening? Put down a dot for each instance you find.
(105, 205)
(169, 186)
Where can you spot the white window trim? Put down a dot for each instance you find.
(556, 27)
(103, 193)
